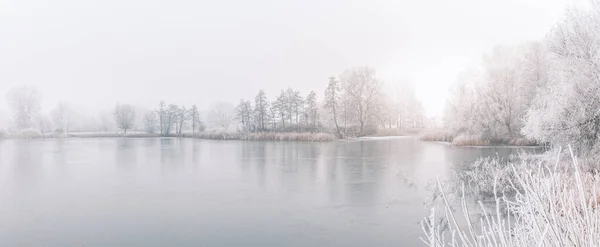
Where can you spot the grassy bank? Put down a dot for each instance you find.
(396, 132)
(260, 136)
(265, 136)
(474, 140)
(550, 205)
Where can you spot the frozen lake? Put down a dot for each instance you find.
(183, 192)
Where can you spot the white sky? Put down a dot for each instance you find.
(96, 53)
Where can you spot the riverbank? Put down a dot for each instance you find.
(474, 140)
(260, 136)
(535, 202)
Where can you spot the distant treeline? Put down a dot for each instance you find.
(353, 104)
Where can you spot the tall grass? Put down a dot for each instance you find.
(437, 136)
(466, 139)
(396, 132)
(112, 134)
(471, 140)
(551, 207)
(271, 136)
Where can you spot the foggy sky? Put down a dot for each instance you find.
(98, 53)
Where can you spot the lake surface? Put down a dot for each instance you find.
(183, 192)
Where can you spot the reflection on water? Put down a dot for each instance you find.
(181, 192)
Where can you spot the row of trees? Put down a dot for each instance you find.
(172, 119)
(288, 112)
(25, 104)
(355, 100)
(547, 91)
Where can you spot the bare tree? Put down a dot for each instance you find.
(150, 122)
(261, 108)
(194, 116)
(170, 119)
(124, 117)
(363, 90)
(182, 116)
(222, 114)
(332, 98)
(244, 114)
(61, 117)
(25, 103)
(281, 107)
(311, 111)
(161, 116)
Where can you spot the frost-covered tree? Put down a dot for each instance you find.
(363, 90)
(25, 104)
(162, 108)
(194, 116)
(567, 109)
(310, 110)
(150, 122)
(244, 114)
(124, 117)
(181, 117)
(261, 110)
(281, 107)
(61, 117)
(221, 114)
(332, 99)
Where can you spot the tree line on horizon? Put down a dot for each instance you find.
(354, 103)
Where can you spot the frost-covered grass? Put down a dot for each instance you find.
(27, 134)
(266, 136)
(396, 132)
(551, 206)
(437, 136)
(465, 139)
(306, 136)
(470, 140)
(112, 134)
(217, 135)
